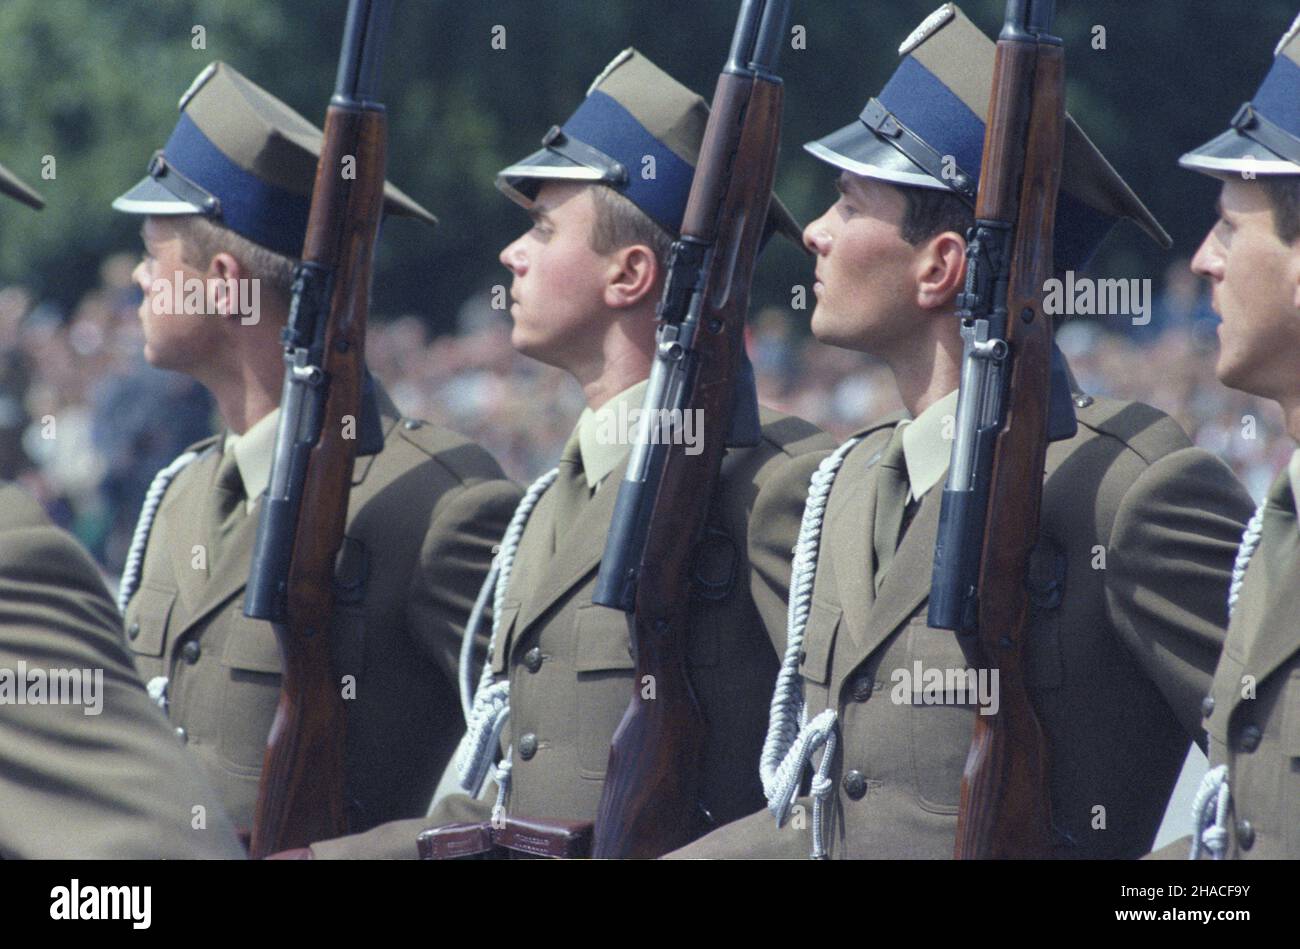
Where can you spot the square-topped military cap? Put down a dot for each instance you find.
(244, 159)
(926, 129)
(11, 186)
(633, 111)
(1265, 135)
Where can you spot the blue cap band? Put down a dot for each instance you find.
(265, 214)
(604, 124)
(925, 105)
(1278, 99)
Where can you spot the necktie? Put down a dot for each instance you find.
(570, 488)
(892, 489)
(227, 507)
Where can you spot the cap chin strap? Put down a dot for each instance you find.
(1255, 127)
(612, 172)
(885, 124)
(167, 175)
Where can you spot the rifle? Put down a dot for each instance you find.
(650, 802)
(301, 794)
(989, 519)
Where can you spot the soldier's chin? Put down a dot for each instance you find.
(836, 329)
(1234, 372)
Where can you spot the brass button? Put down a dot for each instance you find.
(528, 746)
(411, 424)
(191, 651)
(533, 659)
(1250, 737)
(1207, 706)
(182, 735)
(134, 632)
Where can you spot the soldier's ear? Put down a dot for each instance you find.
(940, 269)
(633, 276)
(224, 275)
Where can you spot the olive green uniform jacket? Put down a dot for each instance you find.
(570, 666)
(1138, 535)
(423, 517)
(115, 784)
(1253, 708)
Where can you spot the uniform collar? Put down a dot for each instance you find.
(927, 445)
(605, 434)
(254, 451)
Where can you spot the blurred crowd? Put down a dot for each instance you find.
(85, 423)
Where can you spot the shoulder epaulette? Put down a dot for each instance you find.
(1147, 431)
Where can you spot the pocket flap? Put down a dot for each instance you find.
(147, 632)
(603, 640)
(819, 642)
(501, 648)
(251, 645)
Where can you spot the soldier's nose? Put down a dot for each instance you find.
(817, 238)
(512, 258)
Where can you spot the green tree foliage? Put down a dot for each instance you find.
(94, 84)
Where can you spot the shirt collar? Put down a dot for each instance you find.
(927, 444)
(605, 435)
(254, 451)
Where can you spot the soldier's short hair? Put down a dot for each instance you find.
(203, 239)
(930, 212)
(1283, 193)
(620, 223)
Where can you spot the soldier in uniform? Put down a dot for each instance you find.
(1128, 581)
(225, 208)
(587, 278)
(1249, 805)
(102, 777)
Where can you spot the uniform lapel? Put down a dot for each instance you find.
(183, 529)
(230, 575)
(848, 538)
(580, 547)
(1273, 591)
(907, 583)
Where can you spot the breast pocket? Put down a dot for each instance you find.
(604, 670)
(251, 661)
(146, 628)
(943, 689)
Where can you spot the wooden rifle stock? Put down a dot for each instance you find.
(650, 803)
(1005, 809)
(301, 796)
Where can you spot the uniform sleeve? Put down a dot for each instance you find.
(773, 531)
(755, 837)
(465, 527)
(1173, 544)
(99, 778)
(396, 839)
